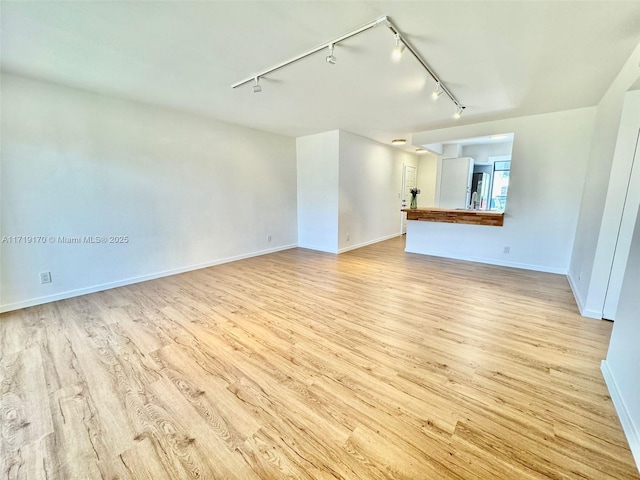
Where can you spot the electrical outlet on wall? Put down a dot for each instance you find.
(506, 250)
(45, 277)
(348, 237)
(268, 238)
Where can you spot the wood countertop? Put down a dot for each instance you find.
(448, 215)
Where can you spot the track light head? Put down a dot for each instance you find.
(437, 92)
(459, 111)
(257, 88)
(330, 58)
(396, 53)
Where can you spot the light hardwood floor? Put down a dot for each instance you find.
(372, 364)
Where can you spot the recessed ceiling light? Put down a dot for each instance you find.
(398, 141)
(421, 151)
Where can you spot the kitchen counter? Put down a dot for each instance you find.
(448, 215)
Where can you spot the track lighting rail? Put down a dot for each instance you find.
(422, 61)
(385, 20)
(324, 46)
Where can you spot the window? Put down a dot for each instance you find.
(500, 185)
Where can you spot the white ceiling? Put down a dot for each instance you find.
(501, 59)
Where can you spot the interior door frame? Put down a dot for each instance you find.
(404, 202)
(619, 258)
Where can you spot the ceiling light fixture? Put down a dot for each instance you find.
(330, 58)
(459, 111)
(257, 88)
(398, 141)
(400, 44)
(396, 53)
(421, 151)
(437, 92)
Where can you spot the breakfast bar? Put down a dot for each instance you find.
(447, 215)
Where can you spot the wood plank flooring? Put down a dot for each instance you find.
(374, 364)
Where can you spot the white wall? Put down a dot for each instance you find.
(547, 172)
(370, 181)
(188, 191)
(451, 150)
(348, 191)
(481, 153)
(317, 161)
(621, 367)
(427, 178)
(596, 231)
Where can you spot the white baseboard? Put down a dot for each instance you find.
(576, 294)
(592, 314)
(491, 261)
(633, 436)
(129, 281)
(370, 242)
(317, 249)
(350, 247)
